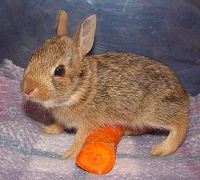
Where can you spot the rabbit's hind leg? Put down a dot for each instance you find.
(178, 129)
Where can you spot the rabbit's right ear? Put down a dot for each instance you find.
(85, 33)
(61, 23)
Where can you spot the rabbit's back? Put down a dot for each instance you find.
(127, 82)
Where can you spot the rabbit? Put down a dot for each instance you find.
(116, 88)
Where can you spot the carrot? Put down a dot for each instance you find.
(99, 151)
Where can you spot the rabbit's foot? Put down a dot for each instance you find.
(53, 129)
(71, 152)
(161, 150)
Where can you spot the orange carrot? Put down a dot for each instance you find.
(99, 151)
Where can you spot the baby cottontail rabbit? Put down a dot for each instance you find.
(87, 92)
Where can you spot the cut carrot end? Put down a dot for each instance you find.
(99, 151)
(96, 158)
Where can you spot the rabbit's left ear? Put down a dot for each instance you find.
(85, 33)
(61, 23)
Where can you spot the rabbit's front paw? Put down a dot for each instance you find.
(53, 129)
(71, 153)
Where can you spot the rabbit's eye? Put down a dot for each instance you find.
(59, 71)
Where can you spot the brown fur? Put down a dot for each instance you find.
(112, 88)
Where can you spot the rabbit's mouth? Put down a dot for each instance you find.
(45, 103)
(27, 98)
(50, 103)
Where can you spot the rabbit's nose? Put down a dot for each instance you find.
(30, 92)
(29, 87)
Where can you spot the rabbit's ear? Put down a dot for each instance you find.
(61, 23)
(85, 33)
